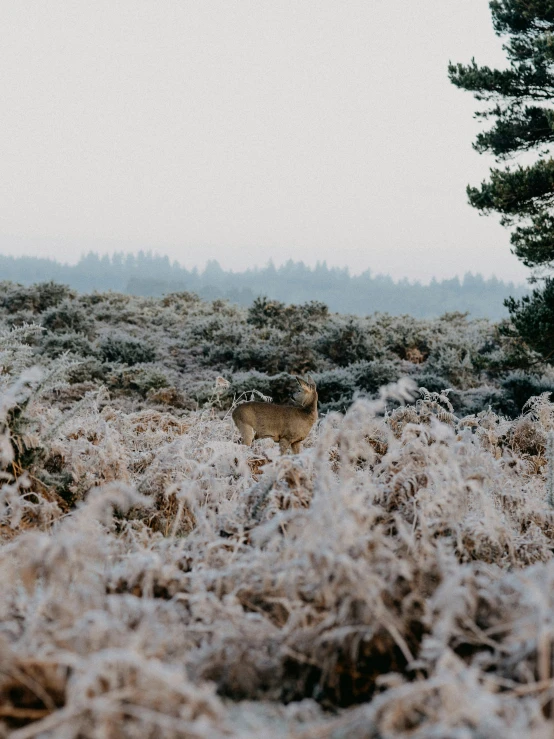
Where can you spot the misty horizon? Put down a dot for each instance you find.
(201, 268)
(248, 131)
(148, 275)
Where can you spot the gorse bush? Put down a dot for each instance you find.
(345, 344)
(36, 298)
(54, 344)
(125, 351)
(140, 379)
(292, 319)
(67, 317)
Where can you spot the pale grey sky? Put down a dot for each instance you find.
(244, 130)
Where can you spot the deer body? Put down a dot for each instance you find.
(288, 425)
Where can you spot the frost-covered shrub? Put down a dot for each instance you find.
(54, 344)
(433, 383)
(90, 369)
(180, 300)
(454, 363)
(370, 376)
(338, 387)
(140, 379)
(35, 298)
(260, 356)
(398, 571)
(408, 338)
(475, 400)
(25, 427)
(335, 389)
(170, 396)
(188, 337)
(265, 312)
(519, 386)
(346, 343)
(462, 351)
(305, 318)
(67, 317)
(272, 358)
(206, 330)
(116, 309)
(126, 351)
(279, 387)
(270, 353)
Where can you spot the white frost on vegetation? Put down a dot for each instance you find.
(198, 588)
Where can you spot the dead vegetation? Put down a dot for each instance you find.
(395, 579)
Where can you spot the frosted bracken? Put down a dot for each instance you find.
(394, 579)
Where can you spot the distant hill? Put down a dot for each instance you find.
(294, 282)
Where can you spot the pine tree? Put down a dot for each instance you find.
(519, 101)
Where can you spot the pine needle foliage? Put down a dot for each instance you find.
(518, 99)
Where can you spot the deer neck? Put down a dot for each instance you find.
(311, 407)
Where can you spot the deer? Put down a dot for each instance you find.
(288, 425)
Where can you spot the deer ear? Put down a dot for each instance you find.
(301, 381)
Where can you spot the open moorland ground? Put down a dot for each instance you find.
(394, 579)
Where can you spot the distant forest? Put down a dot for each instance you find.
(147, 274)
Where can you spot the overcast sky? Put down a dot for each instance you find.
(244, 130)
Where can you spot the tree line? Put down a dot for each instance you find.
(148, 274)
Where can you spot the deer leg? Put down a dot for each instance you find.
(295, 446)
(247, 433)
(284, 445)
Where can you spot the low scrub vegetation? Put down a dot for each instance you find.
(132, 344)
(394, 579)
